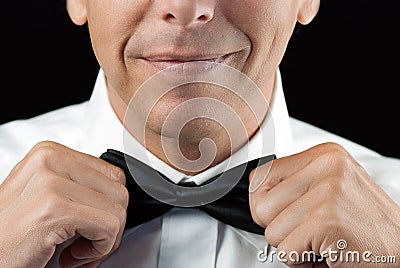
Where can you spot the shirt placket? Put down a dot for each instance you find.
(188, 239)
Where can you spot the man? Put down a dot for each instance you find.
(60, 204)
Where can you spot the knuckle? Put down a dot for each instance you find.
(274, 233)
(333, 147)
(43, 153)
(46, 180)
(335, 162)
(328, 212)
(114, 225)
(283, 247)
(45, 143)
(117, 173)
(332, 187)
(121, 213)
(51, 205)
(124, 196)
(117, 244)
(102, 250)
(259, 213)
(270, 236)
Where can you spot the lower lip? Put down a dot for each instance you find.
(188, 67)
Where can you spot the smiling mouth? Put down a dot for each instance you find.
(162, 62)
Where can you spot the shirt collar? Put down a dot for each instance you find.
(103, 130)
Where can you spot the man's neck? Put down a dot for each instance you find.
(223, 146)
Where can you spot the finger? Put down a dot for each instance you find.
(282, 168)
(81, 251)
(82, 198)
(310, 242)
(88, 197)
(74, 255)
(49, 183)
(103, 167)
(99, 227)
(92, 179)
(85, 175)
(68, 259)
(293, 216)
(266, 204)
(64, 159)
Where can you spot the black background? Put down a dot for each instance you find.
(339, 73)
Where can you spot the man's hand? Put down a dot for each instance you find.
(54, 195)
(311, 200)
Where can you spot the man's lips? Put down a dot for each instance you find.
(162, 62)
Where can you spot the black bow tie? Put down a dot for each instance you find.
(232, 208)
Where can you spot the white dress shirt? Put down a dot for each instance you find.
(182, 237)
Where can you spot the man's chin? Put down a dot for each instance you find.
(191, 132)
